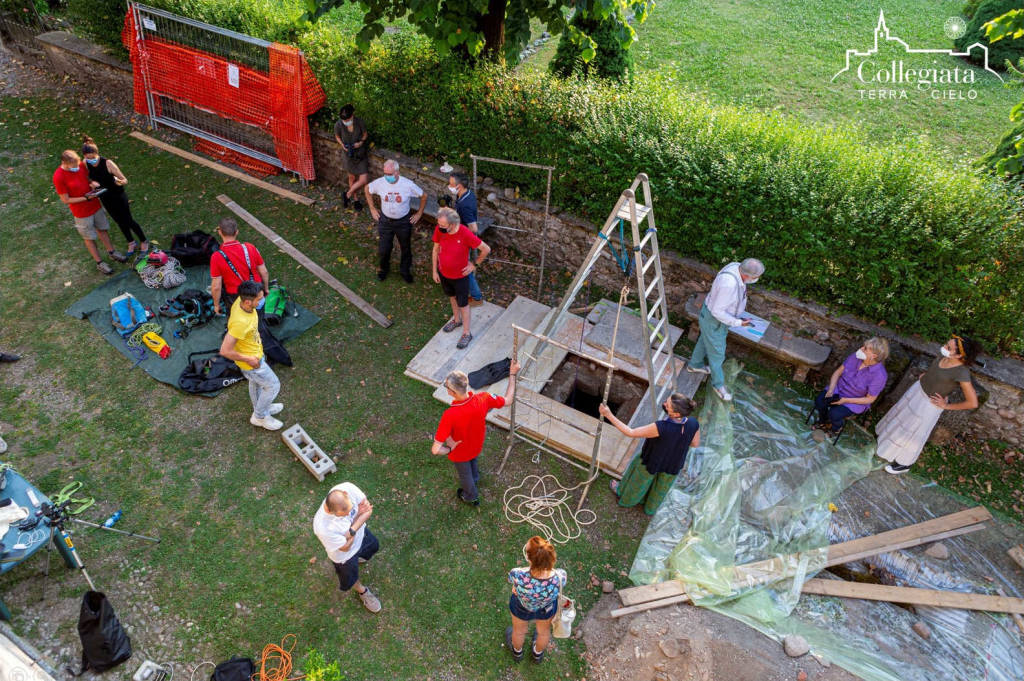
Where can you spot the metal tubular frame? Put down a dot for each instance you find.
(547, 212)
(155, 120)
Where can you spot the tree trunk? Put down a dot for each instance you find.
(492, 25)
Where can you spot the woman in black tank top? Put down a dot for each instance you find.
(651, 473)
(104, 173)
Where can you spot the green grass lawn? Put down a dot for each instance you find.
(238, 558)
(780, 54)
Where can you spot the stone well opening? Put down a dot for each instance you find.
(579, 383)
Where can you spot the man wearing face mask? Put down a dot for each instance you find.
(350, 132)
(464, 203)
(395, 217)
(453, 244)
(723, 307)
(71, 181)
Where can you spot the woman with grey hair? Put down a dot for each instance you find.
(854, 386)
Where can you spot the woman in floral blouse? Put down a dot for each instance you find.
(535, 593)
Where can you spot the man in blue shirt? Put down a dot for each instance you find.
(464, 203)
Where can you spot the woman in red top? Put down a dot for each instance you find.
(71, 180)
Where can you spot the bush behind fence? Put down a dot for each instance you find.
(892, 233)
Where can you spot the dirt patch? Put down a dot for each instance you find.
(687, 643)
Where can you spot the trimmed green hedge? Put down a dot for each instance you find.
(893, 234)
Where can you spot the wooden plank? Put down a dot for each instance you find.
(873, 592)
(942, 527)
(439, 356)
(325, 276)
(904, 594)
(904, 537)
(651, 605)
(1017, 553)
(1017, 619)
(231, 172)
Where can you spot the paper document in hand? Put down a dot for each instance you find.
(756, 329)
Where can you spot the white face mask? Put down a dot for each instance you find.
(945, 352)
(526, 556)
(453, 190)
(861, 355)
(753, 281)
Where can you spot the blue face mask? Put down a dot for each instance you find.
(263, 301)
(391, 178)
(92, 161)
(73, 170)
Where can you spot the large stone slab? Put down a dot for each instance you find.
(629, 343)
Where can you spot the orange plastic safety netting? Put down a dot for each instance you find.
(250, 95)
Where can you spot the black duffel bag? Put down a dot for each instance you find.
(208, 375)
(104, 641)
(235, 669)
(193, 248)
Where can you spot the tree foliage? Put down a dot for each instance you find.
(495, 29)
(612, 59)
(1008, 157)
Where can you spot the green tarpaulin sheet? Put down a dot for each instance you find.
(95, 307)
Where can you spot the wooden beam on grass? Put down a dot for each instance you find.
(231, 172)
(943, 527)
(320, 272)
(913, 596)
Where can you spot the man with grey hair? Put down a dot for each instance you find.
(395, 217)
(723, 307)
(453, 243)
(463, 427)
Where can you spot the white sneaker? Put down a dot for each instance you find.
(270, 423)
(370, 602)
(724, 393)
(698, 370)
(276, 408)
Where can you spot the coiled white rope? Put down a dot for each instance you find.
(543, 502)
(168, 275)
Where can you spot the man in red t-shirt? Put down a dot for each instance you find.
(463, 427)
(234, 263)
(452, 243)
(71, 180)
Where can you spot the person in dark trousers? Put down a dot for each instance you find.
(464, 203)
(463, 427)
(395, 217)
(104, 174)
(350, 133)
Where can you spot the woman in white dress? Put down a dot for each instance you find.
(903, 431)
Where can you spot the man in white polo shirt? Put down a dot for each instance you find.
(395, 217)
(340, 525)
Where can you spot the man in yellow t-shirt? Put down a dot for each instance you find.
(243, 345)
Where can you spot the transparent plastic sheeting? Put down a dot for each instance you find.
(758, 491)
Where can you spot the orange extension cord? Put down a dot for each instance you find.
(276, 662)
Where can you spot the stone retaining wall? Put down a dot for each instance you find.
(1000, 382)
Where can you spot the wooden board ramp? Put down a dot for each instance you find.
(439, 356)
(324, 276)
(230, 172)
(673, 591)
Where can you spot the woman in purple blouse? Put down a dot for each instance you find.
(854, 385)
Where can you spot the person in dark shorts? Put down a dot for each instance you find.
(452, 243)
(104, 174)
(535, 593)
(350, 133)
(340, 525)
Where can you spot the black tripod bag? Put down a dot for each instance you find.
(104, 641)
